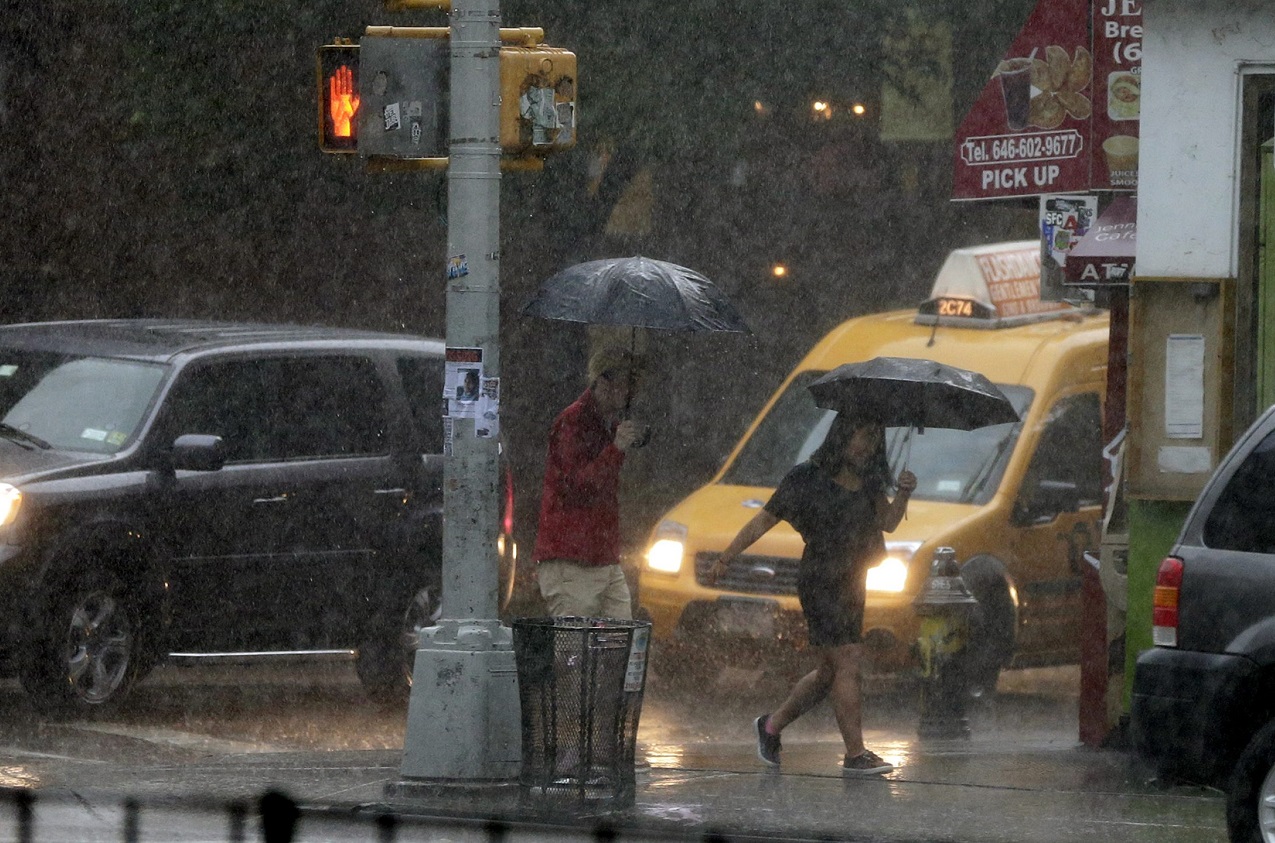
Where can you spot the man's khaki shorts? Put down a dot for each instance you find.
(574, 590)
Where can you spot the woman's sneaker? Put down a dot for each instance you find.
(865, 764)
(767, 744)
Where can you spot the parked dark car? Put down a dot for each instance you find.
(1204, 697)
(178, 487)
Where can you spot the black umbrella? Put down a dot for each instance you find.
(913, 392)
(638, 292)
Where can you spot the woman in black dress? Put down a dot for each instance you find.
(837, 501)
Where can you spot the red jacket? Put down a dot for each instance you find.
(580, 502)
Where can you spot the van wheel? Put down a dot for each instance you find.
(991, 634)
(84, 655)
(387, 659)
(1250, 798)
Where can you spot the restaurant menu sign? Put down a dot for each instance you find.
(1059, 113)
(1117, 64)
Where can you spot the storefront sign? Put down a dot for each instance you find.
(1117, 83)
(1106, 254)
(1028, 132)
(1060, 112)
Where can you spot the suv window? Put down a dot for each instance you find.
(91, 404)
(1243, 518)
(284, 408)
(423, 384)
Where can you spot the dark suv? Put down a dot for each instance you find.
(196, 487)
(1204, 697)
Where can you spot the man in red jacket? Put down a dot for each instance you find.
(578, 543)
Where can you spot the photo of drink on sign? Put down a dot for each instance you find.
(1028, 133)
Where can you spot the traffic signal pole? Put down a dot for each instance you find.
(462, 719)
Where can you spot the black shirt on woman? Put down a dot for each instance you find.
(843, 539)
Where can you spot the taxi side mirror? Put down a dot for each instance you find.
(1048, 500)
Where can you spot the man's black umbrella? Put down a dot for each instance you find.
(638, 292)
(913, 392)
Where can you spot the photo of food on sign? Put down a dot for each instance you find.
(1043, 92)
(1124, 95)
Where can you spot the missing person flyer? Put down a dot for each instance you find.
(462, 382)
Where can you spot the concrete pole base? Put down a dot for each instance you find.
(463, 717)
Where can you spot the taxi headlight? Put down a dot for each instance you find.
(891, 573)
(668, 545)
(10, 501)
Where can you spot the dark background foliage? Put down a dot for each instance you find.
(159, 158)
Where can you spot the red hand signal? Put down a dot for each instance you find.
(343, 102)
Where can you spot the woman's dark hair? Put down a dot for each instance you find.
(831, 454)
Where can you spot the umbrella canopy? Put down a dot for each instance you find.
(905, 391)
(638, 292)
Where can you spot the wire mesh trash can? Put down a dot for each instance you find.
(580, 685)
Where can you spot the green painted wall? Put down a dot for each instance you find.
(1153, 528)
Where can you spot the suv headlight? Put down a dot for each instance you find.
(10, 501)
(668, 545)
(891, 573)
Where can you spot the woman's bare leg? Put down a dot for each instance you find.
(846, 661)
(806, 693)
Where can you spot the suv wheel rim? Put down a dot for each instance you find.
(1266, 807)
(99, 647)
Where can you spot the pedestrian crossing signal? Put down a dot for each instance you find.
(338, 93)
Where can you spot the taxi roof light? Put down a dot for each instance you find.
(992, 286)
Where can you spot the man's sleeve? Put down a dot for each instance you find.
(578, 476)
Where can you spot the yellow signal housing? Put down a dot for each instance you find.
(537, 100)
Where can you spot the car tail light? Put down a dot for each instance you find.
(1164, 611)
(507, 521)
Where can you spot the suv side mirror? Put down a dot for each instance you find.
(198, 452)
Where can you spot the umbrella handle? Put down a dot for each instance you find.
(907, 457)
(628, 394)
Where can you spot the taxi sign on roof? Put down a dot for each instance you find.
(990, 286)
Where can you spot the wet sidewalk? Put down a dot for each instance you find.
(987, 788)
(201, 747)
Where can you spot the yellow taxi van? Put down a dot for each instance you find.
(1020, 503)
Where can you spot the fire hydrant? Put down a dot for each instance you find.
(945, 606)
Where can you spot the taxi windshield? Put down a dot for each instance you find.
(952, 466)
(74, 403)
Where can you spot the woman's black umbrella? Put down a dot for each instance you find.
(913, 392)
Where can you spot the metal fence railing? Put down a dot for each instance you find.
(29, 815)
